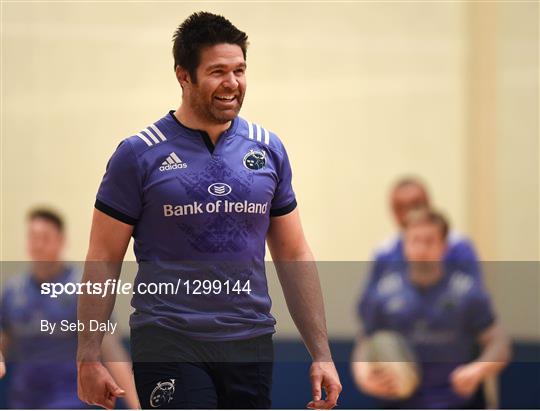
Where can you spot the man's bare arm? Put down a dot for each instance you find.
(109, 239)
(496, 353)
(299, 280)
(4, 342)
(496, 347)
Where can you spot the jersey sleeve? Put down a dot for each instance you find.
(284, 200)
(120, 192)
(479, 313)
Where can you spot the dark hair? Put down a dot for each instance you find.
(203, 29)
(428, 216)
(48, 215)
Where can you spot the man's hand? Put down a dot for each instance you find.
(376, 380)
(323, 375)
(95, 385)
(2, 367)
(466, 378)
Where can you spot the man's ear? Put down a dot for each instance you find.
(182, 76)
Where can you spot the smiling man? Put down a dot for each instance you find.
(200, 190)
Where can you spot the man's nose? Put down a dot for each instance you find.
(230, 82)
(424, 251)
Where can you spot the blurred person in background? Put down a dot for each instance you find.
(408, 194)
(43, 372)
(442, 313)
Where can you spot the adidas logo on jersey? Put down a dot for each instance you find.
(172, 163)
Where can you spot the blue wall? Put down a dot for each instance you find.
(520, 382)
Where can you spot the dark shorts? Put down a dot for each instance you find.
(173, 371)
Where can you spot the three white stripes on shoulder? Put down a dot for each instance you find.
(147, 136)
(259, 131)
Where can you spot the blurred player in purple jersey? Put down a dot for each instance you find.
(200, 191)
(44, 372)
(442, 313)
(408, 194)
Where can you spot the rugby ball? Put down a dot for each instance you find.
(390, 351)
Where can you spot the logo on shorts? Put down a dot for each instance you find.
(219, 189)
(255, 159)
(162, 394)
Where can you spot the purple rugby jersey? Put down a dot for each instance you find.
(200, 213)
(440, 323)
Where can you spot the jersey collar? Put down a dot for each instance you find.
(230, 131)
(203, 134)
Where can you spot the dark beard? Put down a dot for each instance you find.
(211, 115)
